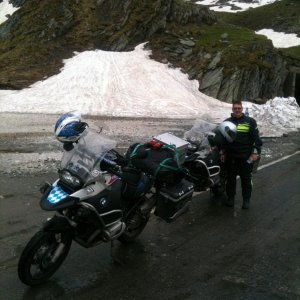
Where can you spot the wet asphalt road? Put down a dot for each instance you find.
(212, 252)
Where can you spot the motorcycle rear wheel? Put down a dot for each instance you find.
(217, 191)
(35, 264)
(135, 224)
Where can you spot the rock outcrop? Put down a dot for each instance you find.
(256, 84)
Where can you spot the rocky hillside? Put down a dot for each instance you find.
(229, 61)
(281, 16)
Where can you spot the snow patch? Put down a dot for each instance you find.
(239, 5)
(6, 8)
(276, 117)
(123, 84)
(280, 39)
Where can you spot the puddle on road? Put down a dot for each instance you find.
(6, 196)
(49, 290)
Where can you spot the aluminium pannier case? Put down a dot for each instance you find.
(174, 200)
(179, 145)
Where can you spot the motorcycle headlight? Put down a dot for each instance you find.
(67, 177)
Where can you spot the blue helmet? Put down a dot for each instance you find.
(69, 127)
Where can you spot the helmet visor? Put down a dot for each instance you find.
(230, 133)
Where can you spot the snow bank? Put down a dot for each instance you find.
(6, 9)
(236, 3)
(123, 84)
(280, 39)
(276, 117)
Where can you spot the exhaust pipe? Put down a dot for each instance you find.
(114, 231)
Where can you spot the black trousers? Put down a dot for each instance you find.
(234, 167)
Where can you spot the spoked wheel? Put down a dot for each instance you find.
(42, 256)
(135, 224)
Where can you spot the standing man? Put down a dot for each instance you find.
(240, 155)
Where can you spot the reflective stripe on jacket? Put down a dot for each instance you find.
(247, 138)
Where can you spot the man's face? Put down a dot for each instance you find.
(237, 110)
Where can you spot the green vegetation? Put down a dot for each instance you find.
(210, 35)
(137, 15)
(293, 52)
(281, 16)
(240, 47)
(45, 32)
(284, 15)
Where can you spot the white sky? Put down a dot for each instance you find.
(6, 9)
(131, 84)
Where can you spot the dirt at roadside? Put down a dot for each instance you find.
(28, 145)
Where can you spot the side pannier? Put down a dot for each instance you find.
(173, 200)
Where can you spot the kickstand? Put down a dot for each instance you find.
(115, 260)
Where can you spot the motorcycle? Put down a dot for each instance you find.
(205, 169)
(202, 159)
(100, 196)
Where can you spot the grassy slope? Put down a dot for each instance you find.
(282, 16)
(49, 31)
(34, 43)
(241, 49)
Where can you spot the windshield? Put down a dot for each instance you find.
(84, 159)
(199, 131)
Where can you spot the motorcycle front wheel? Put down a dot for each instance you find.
(42, 256)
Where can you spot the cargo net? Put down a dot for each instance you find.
(161, 162)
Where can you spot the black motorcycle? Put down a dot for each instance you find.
(204, 167)
(100, 196)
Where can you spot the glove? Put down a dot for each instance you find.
(253, 157)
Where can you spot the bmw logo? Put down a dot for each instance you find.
(103, 201)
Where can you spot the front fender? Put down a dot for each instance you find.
(58, 224)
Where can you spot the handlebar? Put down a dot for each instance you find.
(109, 161)
(115, 172)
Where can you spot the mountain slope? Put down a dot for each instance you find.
(40, 34)
(229, 61)
(281, 16)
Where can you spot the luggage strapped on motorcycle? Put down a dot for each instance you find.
(162, 164)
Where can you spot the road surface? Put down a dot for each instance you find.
(212, 252)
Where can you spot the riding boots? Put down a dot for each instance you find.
(246, 203)
(229, 201)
